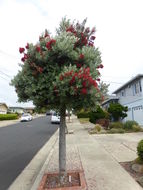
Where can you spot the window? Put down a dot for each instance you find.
(123, 93)
(137, 88)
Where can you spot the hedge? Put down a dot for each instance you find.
(8, 116)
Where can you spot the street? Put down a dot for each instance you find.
(18, 145)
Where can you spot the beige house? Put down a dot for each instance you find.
(3, 108)
(29, 110)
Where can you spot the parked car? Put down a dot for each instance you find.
(26, 117)
(55, 118)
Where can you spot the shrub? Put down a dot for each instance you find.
(129, 124)
(97, 127)
(8, 116)
(116, 130)
(117, 111)
(103, 122)
(98, 114)
(140, 149)
(136, 128)
(116, 125)
(83, 114)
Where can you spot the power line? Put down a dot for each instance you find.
(5, 74)
(113, 82)
(4, 78)
(2, 52)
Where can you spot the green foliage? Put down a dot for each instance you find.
(136, 128)
(8, 116)
(61, 70)
(128, 125)
(98, 127)
(140, 149)
(116, 125)
(117, 111)
(98, 114)
(116, 130)
(83, 114)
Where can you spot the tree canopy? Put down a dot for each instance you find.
(61, 69)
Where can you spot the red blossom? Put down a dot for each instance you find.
(38, 49)
(61, 77)
(40, 69)
(93, 30)
(91, 44)
(98, 79)
(81, 56)
(87, 30)
(22, 59)
(101, 66)
(25, 56)
(50, 43)
(84, 83)
(27, 46)
(78, 65)
(72, 30)
(83, 91)
(21, 50)
(92, 37)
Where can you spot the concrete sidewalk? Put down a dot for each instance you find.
(102, 170)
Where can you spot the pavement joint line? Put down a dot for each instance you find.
(19, 183)
(128, 147)
(41, 173)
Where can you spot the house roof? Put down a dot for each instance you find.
(109, 99)
(127, 83)
(12, 107)
(2, 103)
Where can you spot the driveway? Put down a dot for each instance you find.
(122, 147)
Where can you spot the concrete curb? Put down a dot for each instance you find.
(31, 175)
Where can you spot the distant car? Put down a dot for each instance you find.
(48, 113)
(55, 118)
(26, 117)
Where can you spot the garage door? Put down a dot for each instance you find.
(138, 114)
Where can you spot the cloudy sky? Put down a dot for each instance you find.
(119, 35)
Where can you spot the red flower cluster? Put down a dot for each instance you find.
(50, 43)
(27, 46)
(72, 30)
(24, 58)
(81, 56)
(21, 50)
(100, 66)
(38, 49)
(82, 75)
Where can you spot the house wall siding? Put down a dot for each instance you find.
(3, 109)
(133, 99)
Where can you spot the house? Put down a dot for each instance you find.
(3, 108)
(109, 100)
(131, 95)
(19, 110)
(29, 110)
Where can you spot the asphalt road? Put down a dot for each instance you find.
(18, 145)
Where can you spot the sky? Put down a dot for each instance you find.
(119, 35)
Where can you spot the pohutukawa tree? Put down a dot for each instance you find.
(62, 72)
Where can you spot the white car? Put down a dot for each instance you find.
(55, 118)
(26, 117)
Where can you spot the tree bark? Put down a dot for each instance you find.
(62, 145)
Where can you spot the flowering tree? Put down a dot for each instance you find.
(61, 72)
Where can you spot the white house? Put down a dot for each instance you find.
(19, 110)
(131, 95)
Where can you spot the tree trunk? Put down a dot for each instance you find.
(62, 145)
